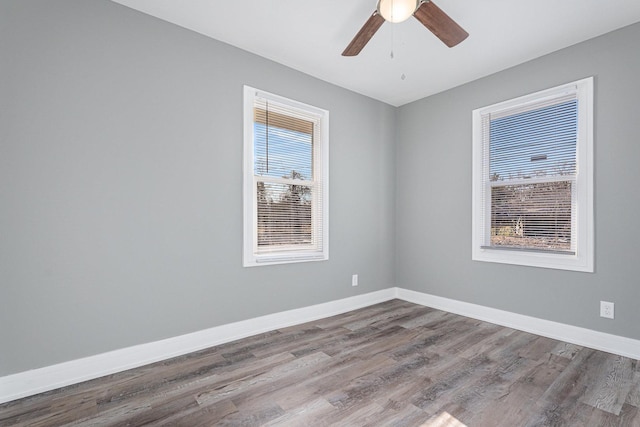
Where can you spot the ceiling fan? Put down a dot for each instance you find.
(425, 11)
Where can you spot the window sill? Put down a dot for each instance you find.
(275, 259)
(553, 260)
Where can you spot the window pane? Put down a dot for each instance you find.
(282, 153)
(534, 143)
(284, 215)
(535, 216)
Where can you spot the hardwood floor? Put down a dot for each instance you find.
(394, 363)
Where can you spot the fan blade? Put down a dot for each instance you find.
(440, 24)
(364, 35)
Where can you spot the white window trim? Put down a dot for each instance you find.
(321, 164)
(583, 259)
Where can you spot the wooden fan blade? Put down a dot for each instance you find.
(440, 24)
(364, 35)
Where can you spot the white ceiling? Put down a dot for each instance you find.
(310, 36)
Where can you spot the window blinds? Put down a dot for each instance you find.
(287, 179)
(529, 158)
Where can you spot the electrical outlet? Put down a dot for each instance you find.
(354, 280)
(606, 309)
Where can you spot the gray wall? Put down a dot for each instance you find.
(121, 184)
(433, 193)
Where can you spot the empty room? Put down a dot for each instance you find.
(351, 213)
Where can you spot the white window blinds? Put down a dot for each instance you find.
(530, 168)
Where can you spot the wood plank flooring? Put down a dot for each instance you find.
(392, 364)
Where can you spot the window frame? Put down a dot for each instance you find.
(320, 204)
(583, 258)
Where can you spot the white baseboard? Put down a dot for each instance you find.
(580, 336)
(36, 381)
(39, 380)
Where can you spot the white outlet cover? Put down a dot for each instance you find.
(607, 309)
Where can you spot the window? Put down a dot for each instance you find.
(533, 179)
(285, 180)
